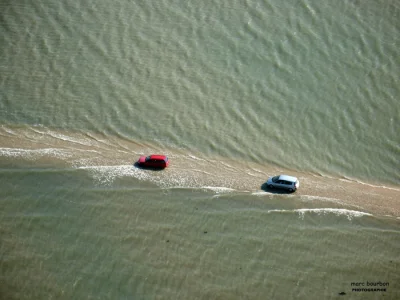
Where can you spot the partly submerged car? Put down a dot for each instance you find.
(153, 161)
(287, 182)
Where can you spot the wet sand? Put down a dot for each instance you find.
(113, 157)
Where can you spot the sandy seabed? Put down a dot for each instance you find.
(38, 147)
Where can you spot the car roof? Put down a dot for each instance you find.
(287, 178)
(158, 156)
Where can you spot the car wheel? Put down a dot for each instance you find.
(291, 190)
(270, 186)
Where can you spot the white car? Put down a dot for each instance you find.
(287, 182)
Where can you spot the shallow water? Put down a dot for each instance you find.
(232, 92)
(65, 236)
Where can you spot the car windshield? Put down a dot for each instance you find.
(275, 179)
(147, 158)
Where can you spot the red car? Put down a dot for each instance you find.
(153, 161)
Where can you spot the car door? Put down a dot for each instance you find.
(157, 163)
(287, 185)
(284, 184)
(152, 163)
(279, 184)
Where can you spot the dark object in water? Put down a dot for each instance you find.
(342, 293)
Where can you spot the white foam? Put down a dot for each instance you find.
(34, 153)
(8, 130)
(323, 211)
(106, 175)
(258, 171)
(218, 189)
(306, 198)
(371, 185)
(195, 157)
(63, 137)
(337, 211)
(260, 193)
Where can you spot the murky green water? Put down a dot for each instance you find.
(232, 92)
